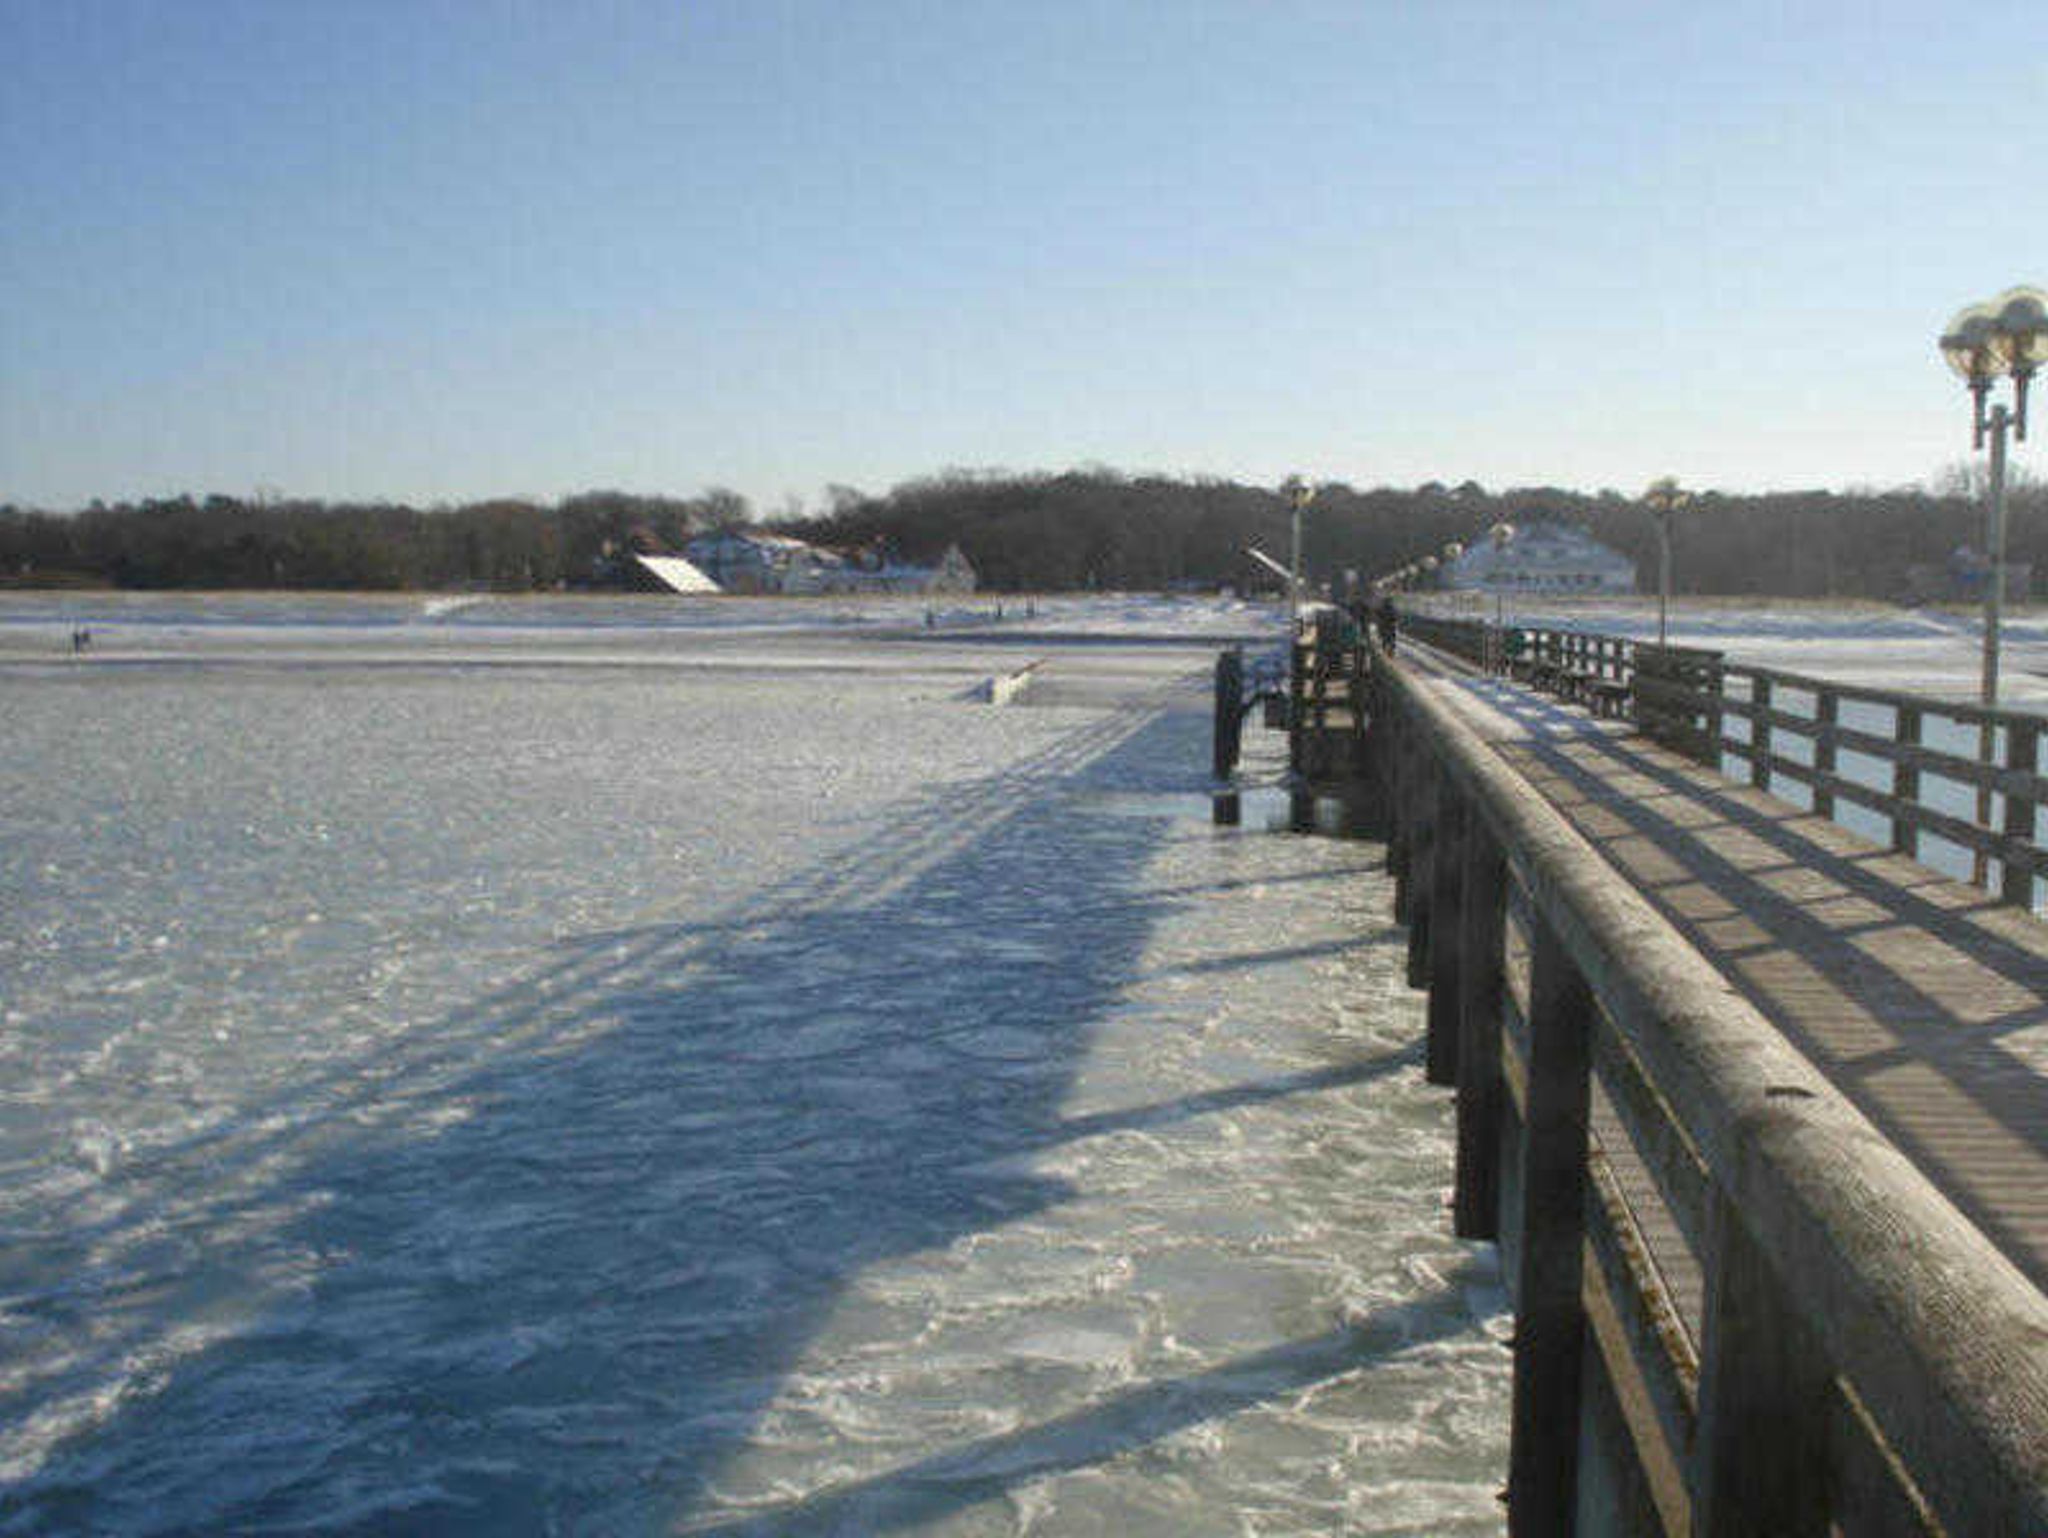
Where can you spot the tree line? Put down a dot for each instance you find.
(1041, 532)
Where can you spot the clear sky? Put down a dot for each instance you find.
(437, 251)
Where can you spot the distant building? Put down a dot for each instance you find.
(951, 573)
(749, 561)
(1543, 556)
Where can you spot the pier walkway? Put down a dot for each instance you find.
(1756, 1109)
(1924, 1000)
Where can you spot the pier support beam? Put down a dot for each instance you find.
(1447, 881)
(1482, 935)
(1400, 781)
(1421, 791)
(1550, 1327)
(1760, 1456)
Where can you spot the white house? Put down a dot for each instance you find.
(1543, 556)
(750, 561)
(951, 573)
(742, 561)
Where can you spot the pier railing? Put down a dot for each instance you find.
(1859, 1354)
(1899, 767)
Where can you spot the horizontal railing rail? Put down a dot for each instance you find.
(1864, 1356)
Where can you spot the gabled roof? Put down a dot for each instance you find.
(677, 574)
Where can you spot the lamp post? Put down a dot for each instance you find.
(1664, 499)
(1447, 575)
(2007, 335)
(1299, 494)
(1500, 536)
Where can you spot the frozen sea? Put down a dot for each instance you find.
(582, 1066)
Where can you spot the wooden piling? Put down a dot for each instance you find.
(1422, 791)
(1447, 881)
(1482, 934)
(1543, 1449)
(1401, 838)
(1760, 1455)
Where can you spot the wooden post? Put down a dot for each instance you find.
(1422, 789)
(1760, 733)
(1401, 823)
(1713, 682)
(1906, 780)
(2023, 753)
(1827, 709)
(1447, 880)
(1226, 729)
(1760, 1454)
(1301, 810)
(1300, 804)
(1482, 937)
(1550, 1323)
(1371, 808)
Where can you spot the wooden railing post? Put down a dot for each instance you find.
(1760, 733)
(1550, 1325)
(1446, 931)
(1906, 780)
(1760, 1454)
(1827, 709)
(2023, 753)
(1714, 681)
(1482, 935)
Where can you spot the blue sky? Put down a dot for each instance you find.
(438, 251)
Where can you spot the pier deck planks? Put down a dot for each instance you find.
(1923, 999)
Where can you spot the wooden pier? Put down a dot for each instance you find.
(1757, 1109)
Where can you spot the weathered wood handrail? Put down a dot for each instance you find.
(2017, 782)
(1866, 1356)
(1686, 697)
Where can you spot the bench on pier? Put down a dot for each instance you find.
(1607, 697)
(1573, 683)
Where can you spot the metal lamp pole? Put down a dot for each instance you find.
(2000, 423)
(1501, 535)
(2007, 335)
(1664, 498)
(1299, 494)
